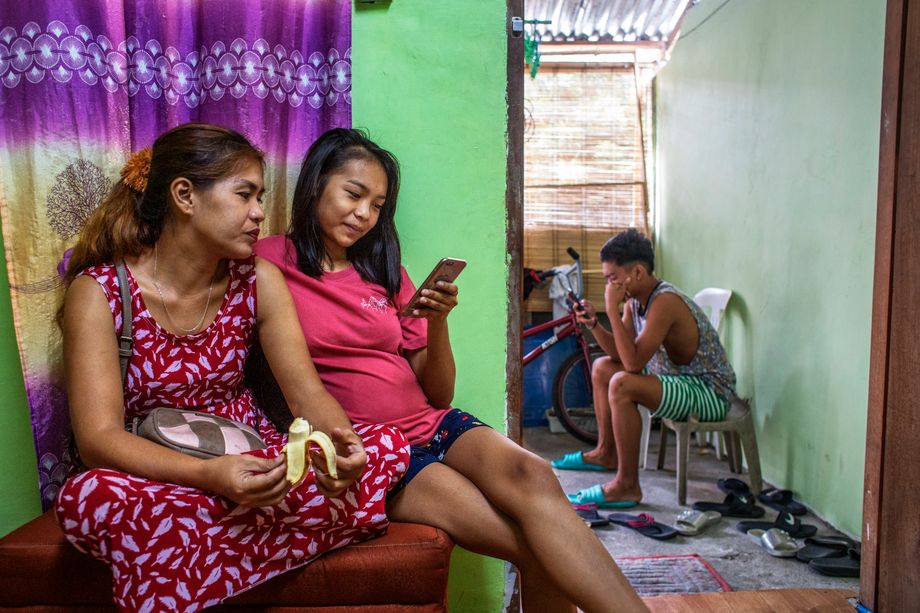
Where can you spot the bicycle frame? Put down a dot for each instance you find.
(570, 327)
(569, 321)
(563, 327)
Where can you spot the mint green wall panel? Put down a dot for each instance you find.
(768, 132)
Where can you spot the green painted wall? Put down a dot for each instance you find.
(429, 84)
(768, 132)
(19, 499)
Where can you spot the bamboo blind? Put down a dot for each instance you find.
(584, 178)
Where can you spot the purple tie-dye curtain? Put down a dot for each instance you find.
(84, 83)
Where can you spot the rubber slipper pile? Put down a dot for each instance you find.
(836, 556)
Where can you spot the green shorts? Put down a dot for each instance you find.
(682, 395)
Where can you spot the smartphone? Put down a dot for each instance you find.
(448, 269)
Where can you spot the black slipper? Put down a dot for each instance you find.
(784, 521)
(588, 512)
(781, 500)
(847, 566)
(734, 505)
(821, 547)
(644, 524)
(734, 486)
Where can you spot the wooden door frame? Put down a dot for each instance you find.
(514, 229)
(891, 524)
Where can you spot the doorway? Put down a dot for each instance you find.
(895, 362)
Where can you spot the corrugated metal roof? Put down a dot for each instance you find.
(606, 21)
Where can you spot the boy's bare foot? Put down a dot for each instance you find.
(596, 457)
(615, 491)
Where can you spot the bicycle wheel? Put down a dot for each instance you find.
(573, 401)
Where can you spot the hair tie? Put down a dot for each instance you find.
(136, 170)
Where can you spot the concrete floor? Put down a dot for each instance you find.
(740, 561)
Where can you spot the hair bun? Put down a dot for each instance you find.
(136, 170)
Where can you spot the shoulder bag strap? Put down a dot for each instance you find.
(125, 341)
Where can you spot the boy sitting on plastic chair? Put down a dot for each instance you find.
(662, 353)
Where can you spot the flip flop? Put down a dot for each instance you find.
(588, 512)
(734, 505)
(839, 567)
(576, 461)
(781, 500)
(644, 524)
(734, 486)
(777, 542)
(595, 494)
(784, 521)
(821, 547)
(691, 523)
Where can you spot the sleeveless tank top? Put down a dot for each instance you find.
(710, 362)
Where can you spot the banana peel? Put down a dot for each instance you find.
(300, 435)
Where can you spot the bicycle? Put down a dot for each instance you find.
(573, 400)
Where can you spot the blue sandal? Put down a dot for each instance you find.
(575, 461)
(596, 495)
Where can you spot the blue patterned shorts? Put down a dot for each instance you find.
(452, 425)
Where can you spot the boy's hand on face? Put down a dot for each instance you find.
(615, 293)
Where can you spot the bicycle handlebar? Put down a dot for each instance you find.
(572, 253)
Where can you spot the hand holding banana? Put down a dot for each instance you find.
(300, 435)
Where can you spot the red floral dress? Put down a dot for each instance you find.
(177, 548)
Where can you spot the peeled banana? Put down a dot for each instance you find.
(300, 435)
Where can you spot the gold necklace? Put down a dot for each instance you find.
(163, 300)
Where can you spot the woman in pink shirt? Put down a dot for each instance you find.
(341, 260)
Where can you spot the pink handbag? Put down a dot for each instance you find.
(198, 434)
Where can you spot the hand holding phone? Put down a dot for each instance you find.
(585, 312)
(447, 270)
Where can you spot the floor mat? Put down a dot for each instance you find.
(684, 574)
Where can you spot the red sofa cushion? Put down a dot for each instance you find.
(405, 570)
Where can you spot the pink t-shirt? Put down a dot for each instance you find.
(357, 339)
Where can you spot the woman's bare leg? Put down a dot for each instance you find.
(440, 496)
(523, 487)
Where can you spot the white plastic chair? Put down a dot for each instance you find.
(716, 300)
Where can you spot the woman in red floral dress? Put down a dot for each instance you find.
(181, 533)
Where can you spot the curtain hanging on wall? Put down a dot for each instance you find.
(86, 83)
